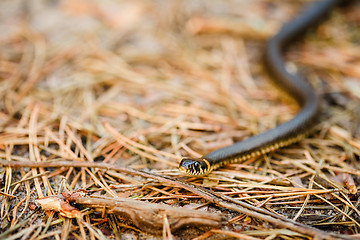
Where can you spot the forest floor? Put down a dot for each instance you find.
(100, 100)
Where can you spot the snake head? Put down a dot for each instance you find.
(197, 166)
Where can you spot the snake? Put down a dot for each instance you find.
(298, 88)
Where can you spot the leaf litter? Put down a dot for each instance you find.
(106, 97)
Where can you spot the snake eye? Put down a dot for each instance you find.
(196, 166)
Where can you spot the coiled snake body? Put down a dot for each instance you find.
(289, 132)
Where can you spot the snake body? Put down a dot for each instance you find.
(286, 133)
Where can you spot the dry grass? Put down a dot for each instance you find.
(93, 92)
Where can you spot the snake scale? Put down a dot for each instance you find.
(286, 133)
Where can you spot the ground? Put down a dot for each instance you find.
(114, 93)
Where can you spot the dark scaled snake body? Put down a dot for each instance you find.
(289, 132)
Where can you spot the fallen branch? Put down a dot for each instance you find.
(149, 217)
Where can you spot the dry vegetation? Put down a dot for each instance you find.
(101, 99)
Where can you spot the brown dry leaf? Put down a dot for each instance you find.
(58, 204)
(346, 180)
